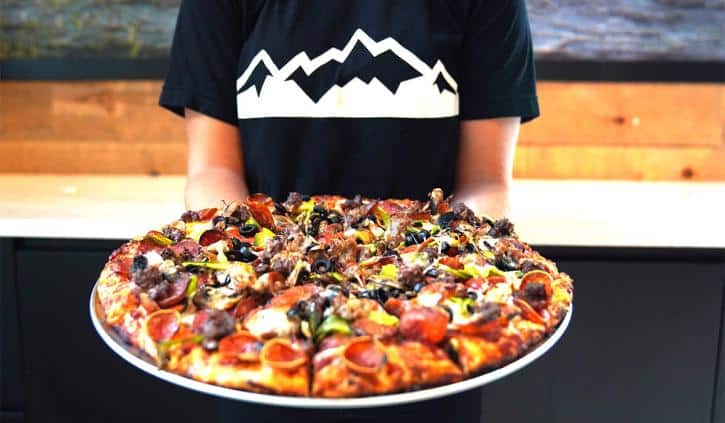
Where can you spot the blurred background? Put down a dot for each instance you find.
(629, 90)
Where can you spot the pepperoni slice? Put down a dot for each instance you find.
(475, 283)
(490, 330)
(538, 276)
(451, 262)
(424, 324)
(366, 326)
(281, 354)
(163, 324)
(332, 341)
(207, 214)
(289, 297)
(122, 266)
(178, 291)
(528, 312)
(211, 236)
(396, 306)
(496, 279)
(242, 346)
(200, 318)
(245, 305)
(261, 214)
(233, 232)
(261, 199)
(364, 355)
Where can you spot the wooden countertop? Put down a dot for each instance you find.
(562, 213)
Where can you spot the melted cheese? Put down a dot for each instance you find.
(154, 259)
(270, 321)
(429, 299)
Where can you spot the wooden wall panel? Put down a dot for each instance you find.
(618, 114)
(587, 130)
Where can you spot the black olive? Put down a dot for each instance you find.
(303, 276)
(297, 311)
(506, 263)
(246, 255)
(452, 353)
(421, 236)
(279, 208)
(444, 246)
(394, 293)
(472, 295)
(418, 286)
(381, 295)
(432, 272)
(236, 244)
(365, 294)
(218, 219)
(445, 219)
(233, 221)
(319, 209)
(418, 224)
(139, 263)
(334, 218)
(227, 280)
(449, 311)
(410, 239)
(322, 265)
(470, 248)
(248, 230)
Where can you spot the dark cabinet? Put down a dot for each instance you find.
(70, 375)
(643, 346)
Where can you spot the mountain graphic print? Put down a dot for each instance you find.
(366, 79)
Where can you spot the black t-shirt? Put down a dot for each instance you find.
(354, 96)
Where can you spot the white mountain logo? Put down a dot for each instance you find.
(366, 79)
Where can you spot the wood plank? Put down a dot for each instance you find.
(617, 114)
(86, 111)
(560, 162)
(93, 157)
(631, 163)
(613, 114)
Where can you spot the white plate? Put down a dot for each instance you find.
(135, 357)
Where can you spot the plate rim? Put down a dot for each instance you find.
(112, 342)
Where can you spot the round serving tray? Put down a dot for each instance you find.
(138, 359)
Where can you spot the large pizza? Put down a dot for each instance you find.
(327, 296)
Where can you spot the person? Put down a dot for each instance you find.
(383, 98)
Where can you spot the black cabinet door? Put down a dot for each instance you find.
(642, 347)
(70, 375)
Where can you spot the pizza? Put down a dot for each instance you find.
(326, 296)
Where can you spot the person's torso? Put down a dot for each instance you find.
(348, 97)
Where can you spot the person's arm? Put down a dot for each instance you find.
(215, 170)
(485, 164)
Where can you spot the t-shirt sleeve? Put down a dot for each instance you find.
(498, 75)
(203, 62)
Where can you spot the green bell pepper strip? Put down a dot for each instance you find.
(332, 324)
(383, 318)
(261, 237)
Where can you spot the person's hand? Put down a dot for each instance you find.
(485, 164)
(215, 169)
